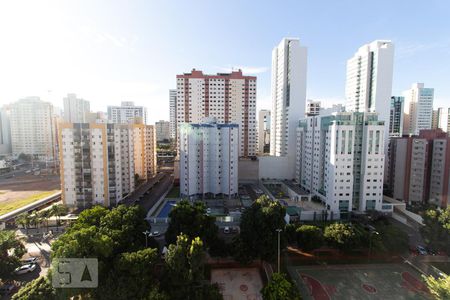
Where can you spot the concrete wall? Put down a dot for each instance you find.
(248, 170)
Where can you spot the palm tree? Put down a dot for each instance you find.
(44, 215)
(24, 220)
(58, 210)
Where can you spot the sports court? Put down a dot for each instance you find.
(343, 282)
(238, 283)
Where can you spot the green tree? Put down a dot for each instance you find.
(184, 263)
(309, 237)
(38, 289)
(191, 220)
(258, 237)
(290, 233)
(279, 288)
(440, 287)
(436, 229)
(132, 276)
(11, 250)
(340, 235)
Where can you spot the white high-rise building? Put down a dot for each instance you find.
(96, 162)
(32, 128)
(263, 131)
(145, 162)
(340, 159)
(418, 109)
(5, 130)
(75, 109)
(289, 65)
(162, 130)
(369, 80)
(173, 113)
(443, 119)
(209, 154)
(228, 97)
(126, 113)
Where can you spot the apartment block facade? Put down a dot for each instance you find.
(419, 168)
(32, 128)
(227, 97)
(264, 121)
(144, 141)
(126, 113)
(96, 163)
(76, 110)
(396, 116)
(312, 108)
(173, 113)
(340, 159)
(162, 130)
(418, 109)
(209, 154)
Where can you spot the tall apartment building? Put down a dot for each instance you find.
(96, 163)
(418, 109)
(396, 116)
(173, 113)
(75, 109)
(312, 108)
(419, 169)
(209, 154)
(443, 119)
(228, 97)
(145, 162)
(162, 130)
(369, 80)
(5, 131)
(263, 131)
(32, 128)
(126, 113)
(289, 64)
(434, 119)
(340, 159)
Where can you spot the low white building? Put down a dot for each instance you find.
(209, 155)
(97, 163)
(340, 159)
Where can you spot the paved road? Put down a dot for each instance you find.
(415, 238)
(155, 188)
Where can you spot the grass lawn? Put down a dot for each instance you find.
(174, 192)
(8, 207)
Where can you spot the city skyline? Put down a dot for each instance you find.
(127, 53)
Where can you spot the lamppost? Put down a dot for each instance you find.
(278, 231)
(147, 234)
(370, 243)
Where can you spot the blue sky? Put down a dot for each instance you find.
(109, 51)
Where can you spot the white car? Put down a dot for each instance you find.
(30, 260)
(226, 230)
(28, 268)
(156, 233)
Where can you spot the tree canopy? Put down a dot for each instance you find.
(191, 220)
(439, 287)
(340, 235)
(279, 288)
(258, 237)
(11, 251)
(436, 231)
(309, 237)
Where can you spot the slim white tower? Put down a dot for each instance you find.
(369, 80)
(289, 65)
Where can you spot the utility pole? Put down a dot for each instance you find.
(278, 230)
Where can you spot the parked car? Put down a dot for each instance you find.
(234, 230)
(431, 251)
(226, 230)
(28, 268)
(156, 233)
(30, 260)
(421, 250)
(6, 289)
